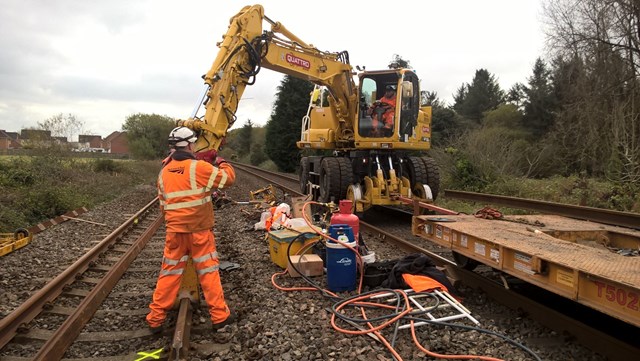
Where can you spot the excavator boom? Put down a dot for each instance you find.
(372, 163)
(244, 50)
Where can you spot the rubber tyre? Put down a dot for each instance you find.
(336, 175)
(432, 175)
(417, 171)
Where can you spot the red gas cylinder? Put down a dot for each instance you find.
(344, 216)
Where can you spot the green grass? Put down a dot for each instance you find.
(37, 188)
(573, 190)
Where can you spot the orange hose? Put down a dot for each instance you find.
(358, 302)
(448, 357)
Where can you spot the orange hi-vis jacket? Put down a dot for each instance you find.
(387, 116)
(184, 189)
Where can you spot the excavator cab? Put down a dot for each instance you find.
(380, 122)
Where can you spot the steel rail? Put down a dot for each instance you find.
(179, 349)
(617, 218)
(275, 174)
(34, 305)
(56, 346)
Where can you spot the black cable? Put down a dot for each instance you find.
(481, 330)
(307, 279)
(399, 307)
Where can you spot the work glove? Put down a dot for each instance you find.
(208, 155)
(219, 160)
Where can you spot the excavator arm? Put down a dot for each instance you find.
(244, 50)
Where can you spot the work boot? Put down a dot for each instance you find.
(156, 330)
(231, 319)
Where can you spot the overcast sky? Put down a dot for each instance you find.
(102, 60)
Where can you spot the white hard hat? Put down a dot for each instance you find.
(182, 136)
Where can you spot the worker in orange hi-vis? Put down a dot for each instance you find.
(383, 112)
(184, 188)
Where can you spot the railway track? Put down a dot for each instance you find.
(81, 318)
(85, 312)
(46, 325)
(597, 337)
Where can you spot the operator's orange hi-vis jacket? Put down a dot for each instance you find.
(387, 116)
(184, 188)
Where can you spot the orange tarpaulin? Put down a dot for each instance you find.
(421, 283)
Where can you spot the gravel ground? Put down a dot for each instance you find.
(26, 270)
(275, 324)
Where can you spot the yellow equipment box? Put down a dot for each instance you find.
(279, 242)
(10, 242)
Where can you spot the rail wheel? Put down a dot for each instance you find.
(336, 174)
(355, 194)
(433, 175)
(422, 191)
(20, 233)
(464, 261)
(304, 175)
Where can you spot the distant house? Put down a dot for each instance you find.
(9, 140)
(93, 141)
(35, 134)
(31, 138)
(60, 140)
(90, 143)
(116, 143)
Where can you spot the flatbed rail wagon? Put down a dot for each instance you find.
(594, 264)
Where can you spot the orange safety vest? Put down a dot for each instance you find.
(184, 189)
(275, 215)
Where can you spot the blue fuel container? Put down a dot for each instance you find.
(341, 261)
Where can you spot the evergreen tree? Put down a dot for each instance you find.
(483, 94)
(245, 138)
(397, 62)
(539, 101)
(445, 124)
(283, 128)
(516, 95)
(257, 154)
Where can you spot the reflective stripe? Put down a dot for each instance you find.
(212, 178)
(188, 192)
(173, 262)
(192, 175)
(171, 272)
(213, 256)
(207, 270)
(162, 203)
(161, 185)
(194, 203)
(223, 180)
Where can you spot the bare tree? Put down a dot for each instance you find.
(601, 39)
(62, 125)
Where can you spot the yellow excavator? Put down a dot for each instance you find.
(369, 165)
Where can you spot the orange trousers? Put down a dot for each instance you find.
(178, 247)
(387, 121)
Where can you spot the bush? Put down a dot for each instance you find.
(105, 165)
(42, 187)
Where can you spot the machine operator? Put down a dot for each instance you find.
(383, 113)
